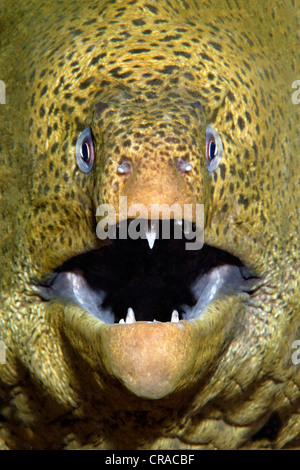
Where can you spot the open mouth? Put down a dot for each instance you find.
(149, 279)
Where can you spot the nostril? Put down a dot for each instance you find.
(125, 168)
(183, 166)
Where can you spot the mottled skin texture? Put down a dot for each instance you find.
(228, 380)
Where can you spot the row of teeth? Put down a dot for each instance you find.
(130, 317)
(151, 233)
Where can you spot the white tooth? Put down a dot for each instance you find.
(122, 320)
(130, 317)
(175, 316)
(151, 235)
(187, 227)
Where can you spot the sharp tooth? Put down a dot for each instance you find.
(130, 317)
(175, 316)
(122, 320)
(187, 228)
(151, 235)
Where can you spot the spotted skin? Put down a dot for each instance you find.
(147, 76)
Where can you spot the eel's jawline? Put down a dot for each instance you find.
(129, 280)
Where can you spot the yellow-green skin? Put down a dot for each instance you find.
(227, 380)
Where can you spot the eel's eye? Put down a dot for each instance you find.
(214, 148)
(84, 151)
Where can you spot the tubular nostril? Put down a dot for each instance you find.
(183, 166)
(125, 168)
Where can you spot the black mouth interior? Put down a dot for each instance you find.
(128, 274)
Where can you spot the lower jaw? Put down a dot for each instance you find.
(154, 359)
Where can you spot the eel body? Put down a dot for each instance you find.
(174, 103)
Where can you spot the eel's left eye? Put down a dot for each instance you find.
(214, 148)
(84, 151)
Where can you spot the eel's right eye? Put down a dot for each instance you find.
(84, 151)
(214, 148)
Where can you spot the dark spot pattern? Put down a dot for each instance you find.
(131, 71)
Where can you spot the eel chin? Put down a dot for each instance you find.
(151, 300)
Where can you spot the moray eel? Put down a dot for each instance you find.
(162, 102)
